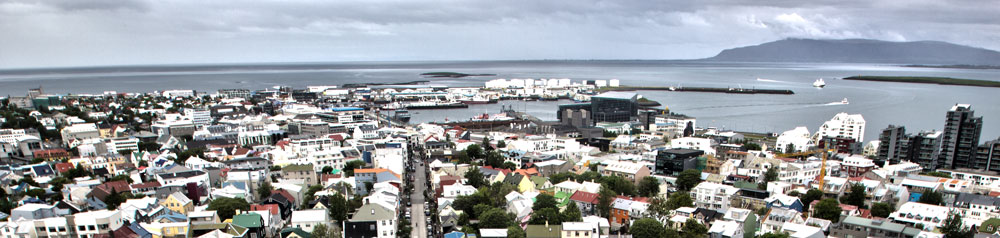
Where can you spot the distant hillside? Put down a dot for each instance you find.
(861, 51)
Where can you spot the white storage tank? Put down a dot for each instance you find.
(613, 83)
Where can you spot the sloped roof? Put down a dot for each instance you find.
(248, 220)
(372, 212)
(582, 196)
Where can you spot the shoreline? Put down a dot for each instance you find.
(928, 80)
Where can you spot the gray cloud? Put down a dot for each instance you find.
(94, 32)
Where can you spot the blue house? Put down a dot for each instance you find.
(784, 201)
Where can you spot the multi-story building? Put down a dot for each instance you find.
(673, 162)
(854, 226)
(713, 196)
(895, 146)
(795, 140)
(200, 117)
(961, 136)
(235, 93)
(307, 220)
(370, 216)
(914, 213)
(122, 144)
(842, 125)
(304, 172)
(79, 132)
(988, 156)
(857, 165)
(631, 171)
(96, 223)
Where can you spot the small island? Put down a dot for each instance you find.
(451, 75)
(929, 80)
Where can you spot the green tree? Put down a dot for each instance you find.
(750, 146)
(856, 196)
(35, 192)
(123, 177)
(688, 179)
(310, 195)
(771, 175)
(649, 186)
(605, 197)
(647, 228)
(692, 228)
(321, 231)
(351, 165)
(548, 214)
(337, 208)
(560, 177)
(881, 209)
(227, 207)
(679, 199)
(931, 197)
(571, 213)
(501, 144)
(543, 201)
(658, 207)
(475, 177)
(495, 218)
(264, 190)
(828, 209)
(117, 198)
(474, 151)
(479, 209)
(486, 143)
(619, 185)
(810, 196)
(588, 176)
(515, 232)
(953, 227)
(327, 170)
(775, 235)
(938, 174)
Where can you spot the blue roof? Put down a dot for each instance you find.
(454, 234)
(139, 230)
(173, 217)
(239, 185)
(42, 170)
(344, 109)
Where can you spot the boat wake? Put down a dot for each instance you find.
(768, 80)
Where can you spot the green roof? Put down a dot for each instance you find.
(248, 220)
(298, 231)
(539, 181)
(542, 231)
(297, 167)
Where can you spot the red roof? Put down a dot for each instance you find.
(284, 193)
(115, 186)
(63, 167)
(265, 207)
(152, 184)
(586, 197)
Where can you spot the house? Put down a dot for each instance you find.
(620, 210)
(178, 202)
(926, 215)
(864, 227)
(784, 201)
(303, 172)
(94, 223)
(631, 171)
(519, 205)
(32, 211)
(580, 230)
(293, 232)
(586, 202)
(726, 229)
(778, 217)
(370, 216)
(253, 222)
(307, 220)
(284, 200)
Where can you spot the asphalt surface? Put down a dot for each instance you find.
(417, 218)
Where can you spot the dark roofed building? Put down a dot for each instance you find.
(672, 162)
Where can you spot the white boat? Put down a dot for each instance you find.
(841, 102)
(819, 83)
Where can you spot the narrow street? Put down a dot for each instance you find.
(418, 220)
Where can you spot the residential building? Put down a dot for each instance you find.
(842, 125)
(925, 215)
(303, 172)
(178, 202)
(961, 136)
(384, 222)
(713, 196)
(853, 226)
(628, 170)
(79, 132)
(795, 140)
(307, 220)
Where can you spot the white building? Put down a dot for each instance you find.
(178, 93)
(309, 219)
(913, 213)
(79, 132)
(713, 195)
(799, 138)
(93, 223)
(843, 125)
(121, 144)
(694, 143)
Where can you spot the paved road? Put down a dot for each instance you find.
(418, 221)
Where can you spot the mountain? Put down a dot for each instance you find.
(861, 51)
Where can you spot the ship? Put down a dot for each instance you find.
(494, 117)
(401, 115)
(549, 97)
(841, 102)
(819, 83)
(434, 105)
(475, 100)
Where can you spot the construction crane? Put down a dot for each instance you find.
(824, 151)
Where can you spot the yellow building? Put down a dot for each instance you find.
(178, 203)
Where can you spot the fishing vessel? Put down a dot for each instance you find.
(841, 102)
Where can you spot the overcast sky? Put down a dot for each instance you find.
(53, 33)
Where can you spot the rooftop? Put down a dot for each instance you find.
(617, 95)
